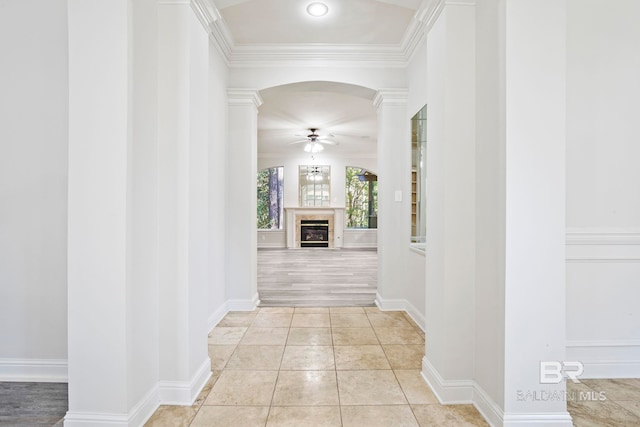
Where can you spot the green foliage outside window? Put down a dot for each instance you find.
(270, 192)
(361, 204)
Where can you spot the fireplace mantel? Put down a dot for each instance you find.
(295, 215)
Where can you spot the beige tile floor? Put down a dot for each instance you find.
(337, 366)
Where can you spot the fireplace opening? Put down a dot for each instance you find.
(314, 233)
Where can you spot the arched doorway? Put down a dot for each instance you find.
(314, 131)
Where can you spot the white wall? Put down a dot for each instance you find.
(142, 255)
(183, 142)
(450, 197)
(603, 199)
(416, 260)
(490, 201)
(33, 190)
(218, 75)
(98, 262)
(535, 94)
(263, 77)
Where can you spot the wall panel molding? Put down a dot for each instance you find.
(594, 245)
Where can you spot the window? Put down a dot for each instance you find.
(315, 186)
(270, 191)
(419, 177)
(361, 204)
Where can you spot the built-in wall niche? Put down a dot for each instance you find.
(315, 186)
(419, 177)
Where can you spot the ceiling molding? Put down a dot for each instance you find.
(394, 56)
(396, 96)
(460, 2)
(420, 26)
(317, 55)
(244, 96)
(211, 19)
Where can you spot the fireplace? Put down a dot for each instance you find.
(334, 217)
(314, 233)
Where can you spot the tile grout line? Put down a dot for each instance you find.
(335, 368)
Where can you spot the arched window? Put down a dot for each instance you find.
(270, 192)
(361, 204)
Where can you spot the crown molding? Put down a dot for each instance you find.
(390, 97)
(422, 21)
(244, 96)
(319, 55)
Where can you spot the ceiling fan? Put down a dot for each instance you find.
(314, 141)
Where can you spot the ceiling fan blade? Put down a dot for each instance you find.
(298, 141)
(328, 142)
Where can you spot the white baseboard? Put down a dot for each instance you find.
(607, 358)
(145, 408)
(390, 304)
(276, 245)
(448, 392)
(95, 419)
(243, 304)
(468, 391)
(165, 393)
(611, 369)
(553, 419)
(495, 416)
(401, 305)
(217, 316)
(183, 392)
(34, 370)
(487, 407)
(416, 316)
(138, 415)
(357, 245)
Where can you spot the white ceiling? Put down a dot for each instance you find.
(254, 22)
(345, 111)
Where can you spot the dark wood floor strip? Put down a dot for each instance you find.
(32, 404)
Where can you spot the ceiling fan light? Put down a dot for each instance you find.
(316, 148)
(317, 9)
(308, 147)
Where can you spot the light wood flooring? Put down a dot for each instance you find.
(317, 277)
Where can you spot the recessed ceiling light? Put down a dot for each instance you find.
(317, 9)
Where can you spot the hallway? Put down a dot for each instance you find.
(337, 366)
(321, 366)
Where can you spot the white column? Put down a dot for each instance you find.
(112, 265)
(394, 194)
(535, 87)
(183, 202)
(241, 203)
(97, 253)
(450, 249)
